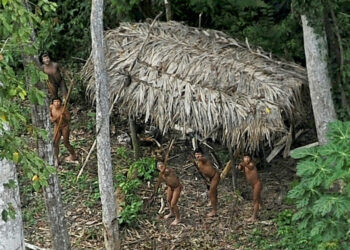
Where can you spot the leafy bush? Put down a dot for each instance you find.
(144, 169)
(322, 196)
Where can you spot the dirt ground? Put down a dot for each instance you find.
(228, 230)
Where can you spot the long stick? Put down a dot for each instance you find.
(167, 155)
(159, 181)
(116, 97)
(64, 107)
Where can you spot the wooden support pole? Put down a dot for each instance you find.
(134, 138)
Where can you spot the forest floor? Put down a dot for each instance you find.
(228, 230)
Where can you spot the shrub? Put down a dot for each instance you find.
(322, 196)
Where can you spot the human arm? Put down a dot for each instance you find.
(52, 119)
(250, 165)
(66, 115)
(159, 181)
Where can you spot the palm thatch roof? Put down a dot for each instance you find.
(200, 79)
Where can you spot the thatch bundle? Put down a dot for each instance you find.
(200, 79)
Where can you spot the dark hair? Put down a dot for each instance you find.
(56, 98)
(246, 155)
(198, 150)
(43, 54)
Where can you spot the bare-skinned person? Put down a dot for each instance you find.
(56, 81)
(174, 188)
(206, 168)
(61, 129)
(251, 174)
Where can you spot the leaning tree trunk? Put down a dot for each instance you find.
(315, 46)
(105, 173)
(52, 192)
(11, 231)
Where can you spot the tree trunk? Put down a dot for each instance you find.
(134, 139)
(167, 10)
(11, 231)
(52, 192)
(105, 173)
(315, 46)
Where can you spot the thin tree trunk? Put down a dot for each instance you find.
(134, 139)
(11, 231)
(105, 173)
(52, 192)
(315, 46)
(167, 10)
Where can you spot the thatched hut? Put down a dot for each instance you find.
(203, 80)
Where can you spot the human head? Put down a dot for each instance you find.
(56, 101)
(198, 153)
(45, 58)
(246, 159)
(160, 166)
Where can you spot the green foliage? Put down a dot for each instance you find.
(70, 30)
(343, 22)
(144, 169)
(8, 213)
(322, 196)
(19, 22)
(268, 24)
(135, 10)
(289, 237)
(91, 124)
(338, 36)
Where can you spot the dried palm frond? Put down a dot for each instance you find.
(200, 79)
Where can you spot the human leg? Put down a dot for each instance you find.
(213, 194)
(175, 208)
(65, 133)
(169, 197)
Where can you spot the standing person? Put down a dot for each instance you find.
(174, 188)
(208, 171)
(52, 69)
(57, 113)
(251, 173)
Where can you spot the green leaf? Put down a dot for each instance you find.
(307, 168)
(299, 215)
(11, 211)
(303, 202)
(36, 186)
(341, 207)
(15, 157)
(4, 215)
(302, 153)
(12, 92)
(328, 149)
(324, 205)
(297, 192)
(10, 184)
